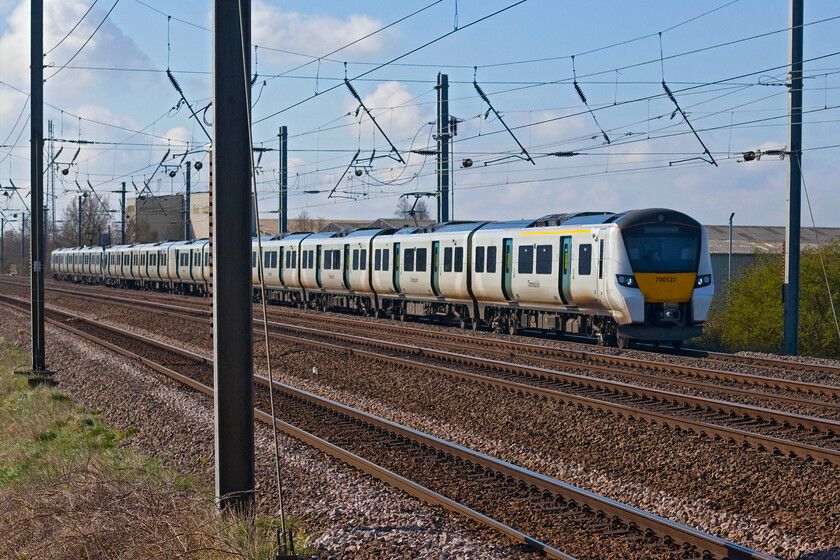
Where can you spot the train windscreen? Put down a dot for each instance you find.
(669, 248)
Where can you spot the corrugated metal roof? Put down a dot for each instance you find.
(768, 239)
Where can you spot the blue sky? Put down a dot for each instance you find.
(734, 95)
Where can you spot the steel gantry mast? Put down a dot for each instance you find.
(794, 194)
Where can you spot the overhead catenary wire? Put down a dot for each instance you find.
(85, 43)
(408, 53)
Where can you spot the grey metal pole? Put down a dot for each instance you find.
(187, 221)
(794, 198)
(2, 245)
(80, 220)
(22, 238)
(283, 209)
(122, 212)
(36, 200)
(232, 300)
(443, 147)
(729, 276)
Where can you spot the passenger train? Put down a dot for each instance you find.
(639, 275)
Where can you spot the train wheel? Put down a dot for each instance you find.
(623, 342)
(512, 327)
(676, 344)
(475, 323)
(462, 321)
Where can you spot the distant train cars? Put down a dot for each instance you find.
(638, 275)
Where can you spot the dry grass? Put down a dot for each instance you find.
(69, 490)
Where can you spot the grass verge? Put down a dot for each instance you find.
(68, 489)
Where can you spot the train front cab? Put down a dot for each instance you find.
(664, 276)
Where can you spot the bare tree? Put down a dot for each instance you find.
(96, 220)
(305, 222)
(404, 209)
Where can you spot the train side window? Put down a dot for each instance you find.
(585, 259)
(544, 259)
(408, 257)
(479, 259)
(377, 259)
(288, 259)
(311, 258)
(363, 259)
(294, 259)
(459, 259)
(447, 259)
(267, 259)
(491, 259)
(421, 260)
(385, 259)
(274, 259)
(526, 259)
(253, 259)
(355, 259)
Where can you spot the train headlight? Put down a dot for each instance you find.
(627, 280)
(703, 280)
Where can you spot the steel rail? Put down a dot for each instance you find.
(590, 360)
(667, 529)
(745, 438)
(388, 477)
(752, 360)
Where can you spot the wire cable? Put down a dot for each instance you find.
(412, 51)
(81, 19)
(85, 43)
(819, 248)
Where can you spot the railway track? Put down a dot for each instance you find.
(778, 432)
(701, 356)
(508, 498)
(558, 357)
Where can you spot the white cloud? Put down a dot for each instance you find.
(312, 35)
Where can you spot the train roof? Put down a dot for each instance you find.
(649, 216)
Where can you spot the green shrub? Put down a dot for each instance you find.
(750, 316)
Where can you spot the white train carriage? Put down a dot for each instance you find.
(188, 268)
(429, 274)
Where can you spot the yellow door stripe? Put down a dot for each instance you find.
(560, 232)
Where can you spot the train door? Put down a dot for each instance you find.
(346, 269)
(602, 286)
(565, 269)
(280, 269)
(435, 268)
(396, 267)
(507, 268)
(318, 267)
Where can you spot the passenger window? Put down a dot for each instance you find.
(408, 256)
(459, 259)
(585, 259)
(288, 259)
(421, 260)
(267, 260)
(526, 259)
(377, 259)
(479, 259)
(253, 259)
(294, 259)
(543, 259)
(336, 259)
(363, 259)
(385, 259)
(447, 259)
(311, 258)
(491, 259)
(355, 259)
